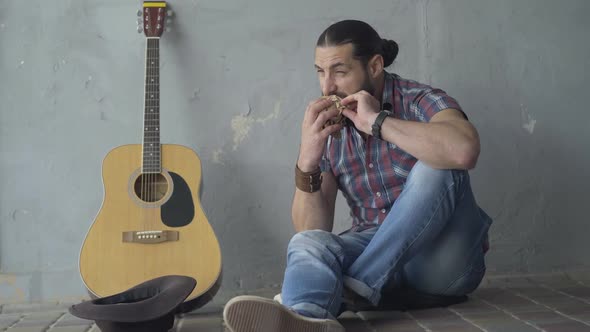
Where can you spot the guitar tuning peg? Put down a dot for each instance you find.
(169, 21)
(139, 12)
(168, 29)
(139, 20)
(139, 29)
(169, 12)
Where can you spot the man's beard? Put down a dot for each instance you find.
(368, 85)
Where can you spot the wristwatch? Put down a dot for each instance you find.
(376, 127)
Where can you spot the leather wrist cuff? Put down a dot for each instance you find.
(308, 181)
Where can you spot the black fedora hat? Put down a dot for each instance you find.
(149, 306)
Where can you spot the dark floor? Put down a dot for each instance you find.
(558, 303)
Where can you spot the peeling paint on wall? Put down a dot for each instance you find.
(217, 154)
(196, 95)
(20, 214)
(426, 58)
(528, 123)
(87, 83)
(58, 65)
(242, 124)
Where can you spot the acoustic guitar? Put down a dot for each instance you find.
(151, 222)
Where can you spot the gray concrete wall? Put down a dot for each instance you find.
(236, 77)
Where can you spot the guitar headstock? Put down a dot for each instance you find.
(153, 18)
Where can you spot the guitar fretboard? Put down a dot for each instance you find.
(151, 126)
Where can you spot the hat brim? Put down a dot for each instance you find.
(147, 301)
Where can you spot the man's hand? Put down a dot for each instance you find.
(313, 135)
(362, 109)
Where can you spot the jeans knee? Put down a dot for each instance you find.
(315, 235)
(423, 172)
(424, 176)
(315, 242)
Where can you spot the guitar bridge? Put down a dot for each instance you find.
(150, 237)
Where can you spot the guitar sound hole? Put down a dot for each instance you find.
(150, 187)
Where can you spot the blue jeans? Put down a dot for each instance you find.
(431, 241)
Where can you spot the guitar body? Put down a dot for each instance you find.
(150, 225)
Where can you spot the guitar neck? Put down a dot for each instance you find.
(151, 126)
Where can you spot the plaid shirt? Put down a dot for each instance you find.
(371, 174)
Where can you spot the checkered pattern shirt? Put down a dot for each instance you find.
(371, 174)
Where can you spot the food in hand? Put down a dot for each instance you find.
(340, 118)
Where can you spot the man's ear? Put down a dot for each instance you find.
(375, 65)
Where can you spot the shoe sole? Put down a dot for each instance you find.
(255, 314)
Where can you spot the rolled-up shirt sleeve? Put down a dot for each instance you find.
(428, 102)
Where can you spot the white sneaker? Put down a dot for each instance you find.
(257, 314)
(278, 298)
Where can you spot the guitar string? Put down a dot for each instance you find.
(148, 105)
(154, 103)
(143, 164)
(148, 136)
(154, 130)
(150, 178)
(146, 218)
(151, 128)
(152, 134)
(158, 148)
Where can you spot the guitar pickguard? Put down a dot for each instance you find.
(179, 210)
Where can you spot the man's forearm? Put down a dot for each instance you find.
(311, 211)
(444, 144)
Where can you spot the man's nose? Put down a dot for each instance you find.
(329, 86)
